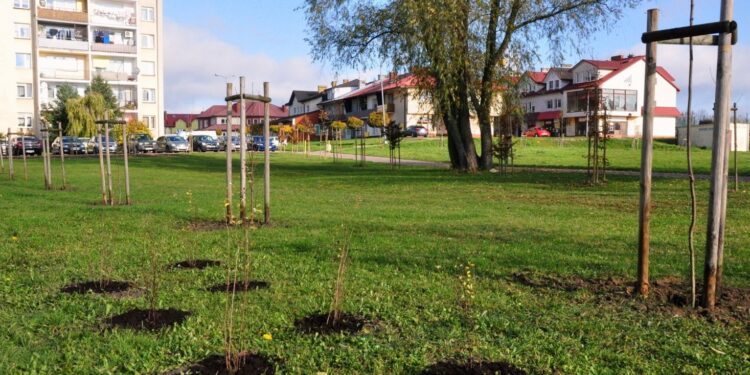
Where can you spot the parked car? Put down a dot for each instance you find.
(68, 144)
(235, 143)
(141, 143)
(205, 143)
(171, 143)
(415, 131)
(93, 144)
(537, 132)
(259, 143)
(32, 145)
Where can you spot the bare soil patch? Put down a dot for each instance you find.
(473, 368)
(250, 364)
(669, 295)
(147, 320)
(98, 287)
(347, 323)
(197, 264)
(240, 286)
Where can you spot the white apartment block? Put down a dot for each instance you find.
(556, 99)
(50, 42)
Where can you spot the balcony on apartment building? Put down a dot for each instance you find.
(113, 41)
(113, 13)
(63, 10)
(63, 67)
(127, 98)
(63, 37)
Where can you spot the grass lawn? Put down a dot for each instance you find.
(551, 153)
(412, 229)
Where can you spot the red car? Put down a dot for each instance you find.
(537, 132)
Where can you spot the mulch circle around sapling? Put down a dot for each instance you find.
(197, 264)
(347, 323)
(147, 320)
(669, 295)
(98, 287)
(240, 286)
(473, 368)
(249, 364)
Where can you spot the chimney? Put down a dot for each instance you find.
(617, 57)
(321, 88)
(334, 83)
(392, 76)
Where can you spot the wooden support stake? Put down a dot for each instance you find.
(243, 155)
(266, 157)
(228, 203)
(125, 162)
(647, 155)
(62, 156)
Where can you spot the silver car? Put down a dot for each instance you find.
(171, 143)
(93, 144)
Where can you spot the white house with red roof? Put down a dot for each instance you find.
(560, 101)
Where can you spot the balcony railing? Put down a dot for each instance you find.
(64, 44)
(115, 76)
(114, 48)
(128, 105)
(63, 15)
(63, 74)
(122, 17)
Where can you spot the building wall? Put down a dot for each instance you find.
(702, 136)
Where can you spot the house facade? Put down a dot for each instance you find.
(55, 42)
(177, 122)
(215, 117)
(561, 101)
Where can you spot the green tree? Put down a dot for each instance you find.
(83, 114)
(464, 49)
(57, 112)
(102, 87)
(376, 119)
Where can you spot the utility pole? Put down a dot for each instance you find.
(243, 154)
(266, 156)
(718, 192)
(228, 147)
(644, 220)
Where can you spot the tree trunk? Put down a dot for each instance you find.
(485, 129)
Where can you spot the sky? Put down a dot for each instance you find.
(264, 40)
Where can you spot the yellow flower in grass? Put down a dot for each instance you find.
(14, 237)
(267, 337)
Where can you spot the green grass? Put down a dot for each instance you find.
(412, 229)
(571, 153)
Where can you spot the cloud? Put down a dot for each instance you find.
(193, 56)
(676, 60)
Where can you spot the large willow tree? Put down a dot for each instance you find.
(84, 112)
(464, 49)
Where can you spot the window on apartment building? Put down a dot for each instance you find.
(147, 14)
(558, 103)
(23, 60)
(621, 100)
(148, 68)
(23, 31)
(549, 104)
(150, 121)
(23, 90)
(147, 41)
(24, 120)
(149, 95)
(21, 4)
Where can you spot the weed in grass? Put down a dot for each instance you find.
(334, 314)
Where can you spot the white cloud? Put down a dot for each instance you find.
(676, 60)
(193, 56)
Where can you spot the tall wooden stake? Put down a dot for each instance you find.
(62, 156)
(47, 158)
(718, 192)
(25, 164)
(644, 230)
(243, 154)
(691, 172)
(110, 194)
(266, 157)
(2, 156)
(228, 147)
(11, 172)
(101, 165)
(125, 162)
(736, 171)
